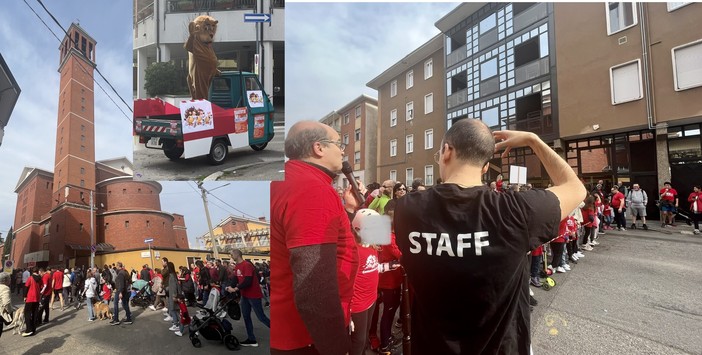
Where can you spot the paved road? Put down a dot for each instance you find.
(639, 292)
(152, 164)
(69, 332)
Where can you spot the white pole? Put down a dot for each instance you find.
(92, 232)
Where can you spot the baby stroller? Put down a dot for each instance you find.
(143, 297)
(80, 300)
(212, 327)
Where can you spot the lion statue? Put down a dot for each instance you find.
(202, 58)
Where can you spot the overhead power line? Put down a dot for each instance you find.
(81, 64)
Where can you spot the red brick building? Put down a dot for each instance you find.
(54, 216)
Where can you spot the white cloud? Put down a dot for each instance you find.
(334, 49)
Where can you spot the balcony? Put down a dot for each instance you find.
(456, 56)
(529, 16)
(175, 6)
(531, 70)
(457, 98)
(534, 122)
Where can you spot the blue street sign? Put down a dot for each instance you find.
(257, 17)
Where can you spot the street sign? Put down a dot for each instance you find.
(257, 17)
(8, 266)
(150, 240)
(93, 248)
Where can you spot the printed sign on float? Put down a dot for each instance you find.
(196, 116)
(517, 175)
(241, 120)
(259, 126)
(255, 98)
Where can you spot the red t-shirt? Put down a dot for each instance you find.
(562, 231)
(58, 280)
(618, 200)
(33, 289)
(392, 279)
(538, 251)
(46, 280)
(668, 194)
(244, 269)
(305, 211)
(365, 288)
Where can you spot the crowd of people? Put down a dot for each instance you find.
(166, 288)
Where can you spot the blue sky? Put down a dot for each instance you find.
(334, 49)
(33, 57)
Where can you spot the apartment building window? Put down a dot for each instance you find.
(625, 82)
(488, 23)
(393, 88)
(393, 118)
(491, 117)
(82, 183)
(410, 79)
(429, 175)
(357, 135)
(428, 104)
(409, 176)
(672, 6)
(488, 69)
(393, 175)
(82, 171)
(393, 147)
(428, 69)
(687, 72)
(346, 158)
(429, 139)
(126, 224)
(346, 118)
(346, 139)
(409, 110)
(620, 16)
(357, 157)
(409, 139)
(80, 227)
(358, 111)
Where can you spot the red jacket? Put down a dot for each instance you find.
(391, 279)
(34, 285)
(618, 200)
(695, 200)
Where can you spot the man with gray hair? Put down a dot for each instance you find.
(313, 253)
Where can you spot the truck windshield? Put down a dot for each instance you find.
(252, 84)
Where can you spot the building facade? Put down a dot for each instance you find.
(357, 124)
(8, 95)
(411, 109)
(61, 215)
(161, 29)
(612, 87)
(251, 236)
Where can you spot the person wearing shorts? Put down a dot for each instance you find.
(637, 200)
(669, 204)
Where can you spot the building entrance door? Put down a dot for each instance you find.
(648, 183)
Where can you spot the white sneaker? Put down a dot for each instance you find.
(579, 254)
(574, 257)
(594, 242)
(560, 269)
(151, 307)
(165, 310)
(696, 231)
(178, 333)
(550, 267)
(622, 229)
(566, 267)
(587, 247)
(168, 319)
(174, 328)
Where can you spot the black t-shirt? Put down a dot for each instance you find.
(478, 245)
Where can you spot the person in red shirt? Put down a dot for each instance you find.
(57, 275)
(619, 207)
(32, 296)
(695, 200)
(247, 284)
(313, 253)
(46, 292)
(669, 203)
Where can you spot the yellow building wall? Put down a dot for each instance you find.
(133, 259)
(254, 225)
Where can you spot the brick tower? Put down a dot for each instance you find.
(74, 165)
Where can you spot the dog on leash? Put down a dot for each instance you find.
(102, 310)
(18, 321)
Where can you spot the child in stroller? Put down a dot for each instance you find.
(211, 325)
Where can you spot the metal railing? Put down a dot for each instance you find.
(175, 6)
(457, 98)
(456, 56)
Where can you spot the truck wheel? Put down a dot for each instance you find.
(259, 147)
(173, 153)
(218, 152)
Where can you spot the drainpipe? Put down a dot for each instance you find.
(646, 65)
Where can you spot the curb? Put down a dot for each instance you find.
(217, 175)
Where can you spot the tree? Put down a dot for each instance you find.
(161, 79)
(8, 245)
